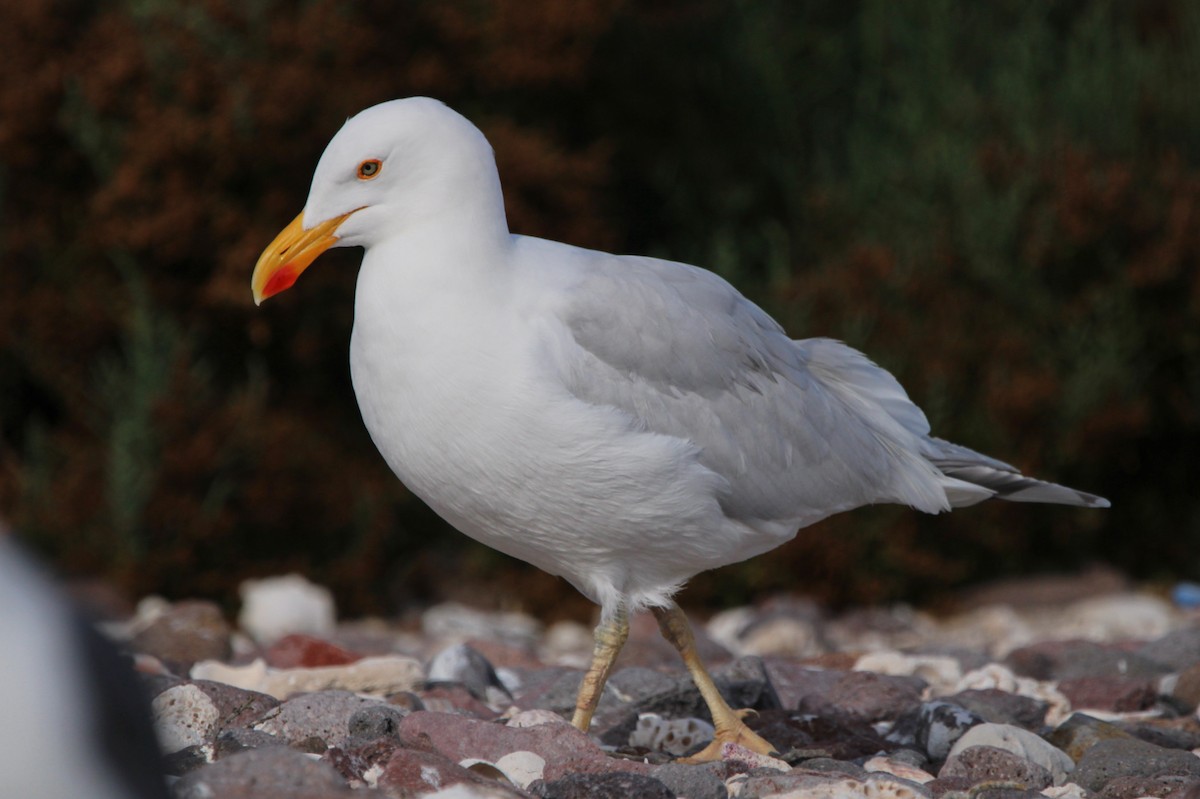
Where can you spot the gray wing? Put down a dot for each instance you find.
(798, 429)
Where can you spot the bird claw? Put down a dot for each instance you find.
(737, 733)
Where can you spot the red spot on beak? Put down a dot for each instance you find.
(282, 280)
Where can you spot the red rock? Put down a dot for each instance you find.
(565, 749)
(410, 772)
(1117, 694)
(305, 651)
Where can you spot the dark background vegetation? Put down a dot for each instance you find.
(998, 201)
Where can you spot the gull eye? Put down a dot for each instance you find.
(369, 168)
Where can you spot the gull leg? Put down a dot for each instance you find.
(726, 721)
(610, 637)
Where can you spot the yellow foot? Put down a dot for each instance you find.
(737, 733)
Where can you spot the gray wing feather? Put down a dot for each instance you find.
(798, 429)
(970, 466)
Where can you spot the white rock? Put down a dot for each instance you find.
(520, 767)
(674, 737)
(251, 676)
(567, 643)
(454, 622)
(941, 672)
(832, 786)
(183, 716)
(1068, 791)
(898, 768)
(467, 791)
(727, 626)
(1020, 742)
(783, 636)
(279, 606)
(1118, 617)
(383, 674)
(994, 629)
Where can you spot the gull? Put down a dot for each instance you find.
(623, 422)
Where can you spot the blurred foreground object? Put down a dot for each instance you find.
(75, 723)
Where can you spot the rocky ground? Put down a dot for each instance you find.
(1068, 688)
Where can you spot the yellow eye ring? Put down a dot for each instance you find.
(369, 169)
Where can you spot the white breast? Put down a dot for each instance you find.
(459, 393)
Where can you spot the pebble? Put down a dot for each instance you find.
(991, 764)
(1114, 758)
(185, 632)
(463, 664)
(412, 772)
(612, 785)
(1081, 732)
(803, 784)
(183, 716)
(381, 674)
(870, 703)
(1020, 742)
(694, 781)
(673, 736)
(269, 773)
(278, 606)
(940, 672)
(933, 728)
(297, 650)
(315, 721)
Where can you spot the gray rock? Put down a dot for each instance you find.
(239, 739)
(1020, 742)
(801, 736)
(1177, 651)
(829, 765)
(1132, 758)
(1139, 787)
(373, 722)
(269, 773)
(933, 728)
(1003, 707)
(989, 764)
(1060, 660)
(464, 664)
(692, 781)
(1081, 732)
(564, 748)
(637, 683)
(613, 785)
(315, 721)
(1164, 732)
(870, 696)
(238, 707)
(793, 682)
(747, 678)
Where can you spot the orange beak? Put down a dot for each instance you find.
(290, 254)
